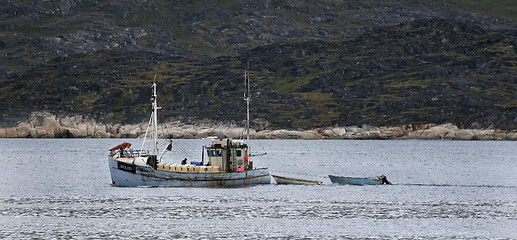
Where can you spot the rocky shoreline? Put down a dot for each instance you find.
(47, 125)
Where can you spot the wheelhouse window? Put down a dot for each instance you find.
(239, 153)
(215, 153)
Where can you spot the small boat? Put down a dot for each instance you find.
(228, 163)
(290, 180)
(358, 180)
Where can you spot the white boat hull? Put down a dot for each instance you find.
(296, 181)
(131, 175)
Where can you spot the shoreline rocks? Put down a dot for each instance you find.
(46, 125)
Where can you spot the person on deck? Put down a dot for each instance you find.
(184, 162)
(239, 169)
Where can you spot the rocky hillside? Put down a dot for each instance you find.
(312, 63)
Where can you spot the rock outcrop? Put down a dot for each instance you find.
(46, 125)
(320, 63)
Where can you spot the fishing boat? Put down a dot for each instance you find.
(228, 162)
(359, 180)
(291, 180)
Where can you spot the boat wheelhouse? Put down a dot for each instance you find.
(229, 155)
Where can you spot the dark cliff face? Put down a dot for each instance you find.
(313, 64)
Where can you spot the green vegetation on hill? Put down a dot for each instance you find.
(313, 63)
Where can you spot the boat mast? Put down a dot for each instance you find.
(247, 98)
(155, 119)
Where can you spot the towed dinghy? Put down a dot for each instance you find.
(297, 181)
(359, 180)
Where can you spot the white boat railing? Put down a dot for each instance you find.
(134, 153)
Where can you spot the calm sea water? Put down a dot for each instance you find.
(61, 188)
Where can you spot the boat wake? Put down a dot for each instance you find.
(454, 185)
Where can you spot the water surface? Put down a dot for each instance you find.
(61, 188)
